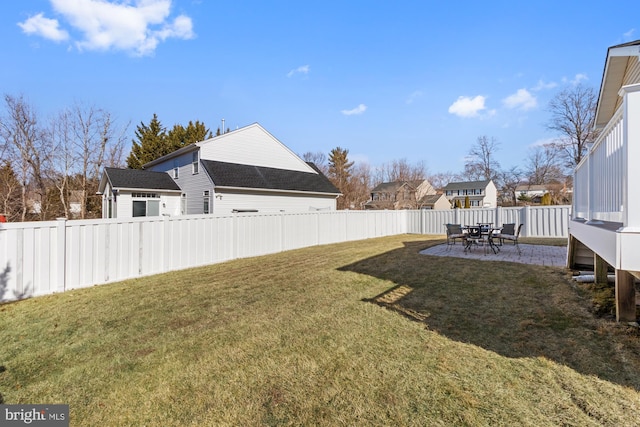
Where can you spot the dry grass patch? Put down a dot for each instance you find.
(294, 339)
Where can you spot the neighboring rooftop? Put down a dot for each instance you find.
(467, 185)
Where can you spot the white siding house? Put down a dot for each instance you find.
(481, 194)
(243, 170)
(606, 204)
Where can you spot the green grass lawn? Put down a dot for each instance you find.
(359, 333)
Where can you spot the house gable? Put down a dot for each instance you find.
(252, 145)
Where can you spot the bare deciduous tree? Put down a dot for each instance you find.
(481, 163)
(360, 185)
(441, 179)
(400, 170)
(87, 140)
(510, 179)
(573, 113)
(26, 144)
(543, 165)
(319, 159)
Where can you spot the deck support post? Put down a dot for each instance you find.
(600, 269)
(625, 297)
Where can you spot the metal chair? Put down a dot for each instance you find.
(508, 229)
(454, 231)
(473, 237)
(513, 238)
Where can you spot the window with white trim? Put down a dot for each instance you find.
(146, 204)
(194, 162)
(205, 208)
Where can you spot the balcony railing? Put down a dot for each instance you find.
(598, 180)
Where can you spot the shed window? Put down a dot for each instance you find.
(146, 208)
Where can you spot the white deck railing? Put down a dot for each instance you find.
(598, 179)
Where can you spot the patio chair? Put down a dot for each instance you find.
(508, 229)
(473, 237)
(513, 238)
(454, 231)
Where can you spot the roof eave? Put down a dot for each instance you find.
(189, 148)
(275, 190)
(135, 189)
(612, 78)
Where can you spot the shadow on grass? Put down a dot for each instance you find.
(512, 309)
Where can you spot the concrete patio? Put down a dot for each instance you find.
(555, 256)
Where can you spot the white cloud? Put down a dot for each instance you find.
(303, 69)
(466, 106)
(542, 85)
(44, 27)
(543, 142)
(579, 78)
(358, 110)
(415, 95)
(629, 34)
(522, 100)
(136, 26)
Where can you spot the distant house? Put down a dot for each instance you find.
(244, 170)
(399, 195)
(434, 201)
(561, 193)
(531, 191)
(482, 194)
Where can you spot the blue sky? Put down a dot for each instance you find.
(414, 80)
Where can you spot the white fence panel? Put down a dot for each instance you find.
(39, 258)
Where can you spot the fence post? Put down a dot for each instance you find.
(527, 221)
(166, 245)
(61, 256)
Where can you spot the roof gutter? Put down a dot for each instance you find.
(270, 190)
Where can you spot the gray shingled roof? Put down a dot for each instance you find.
(143, 179)
(430, 199)
(393, 186)
(247, 176)
(469, 185)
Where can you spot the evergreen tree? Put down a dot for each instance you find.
(339, 174)
(150, 143)
(180, 136)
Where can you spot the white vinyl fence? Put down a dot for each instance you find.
(38, 258)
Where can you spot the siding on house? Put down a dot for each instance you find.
(225, 203)
(252, 145)
(480, 193)
(246, 169)
(193, 185)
